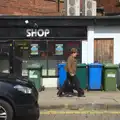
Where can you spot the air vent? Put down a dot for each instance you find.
(89, 8)
(72, 11)
(89, 13)
(89, 4)
(72, 7)
(72, 2)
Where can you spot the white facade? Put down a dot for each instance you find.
(103, 32)
(88, 47)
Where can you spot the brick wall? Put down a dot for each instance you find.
(45, 7)
(109, 5)
(29, 7)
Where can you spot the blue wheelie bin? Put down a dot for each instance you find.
(95, 76)
(62, 74)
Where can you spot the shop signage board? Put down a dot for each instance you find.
(43, 33)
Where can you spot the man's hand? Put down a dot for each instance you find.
(72, 74)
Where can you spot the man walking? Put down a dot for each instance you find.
(71, 74)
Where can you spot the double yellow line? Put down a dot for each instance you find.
(78, 112)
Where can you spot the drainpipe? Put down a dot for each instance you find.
(58, 3)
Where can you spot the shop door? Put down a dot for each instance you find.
(103, 50)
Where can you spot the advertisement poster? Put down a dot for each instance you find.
(58, 49)
(34, 49)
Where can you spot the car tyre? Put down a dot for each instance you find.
(8, 109)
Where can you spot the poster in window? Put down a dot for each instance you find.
(58, 49)
(34, 49)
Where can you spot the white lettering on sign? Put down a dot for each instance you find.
(37, 32)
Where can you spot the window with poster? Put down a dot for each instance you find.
(49, 54)
(38, 54)
(34, 52)
(58, 51)
(34, 49)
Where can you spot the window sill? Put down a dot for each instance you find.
(49, 76)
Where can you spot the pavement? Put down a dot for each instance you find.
(94, 100)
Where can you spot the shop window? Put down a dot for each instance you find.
(58, 52)
(38, 54)
(4, 66)
(33, 52)
(74, 44)
(55, 56)
(47, 53)
(4, 57)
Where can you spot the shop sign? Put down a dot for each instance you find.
(37, 32)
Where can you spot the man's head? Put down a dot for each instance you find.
(74, 52)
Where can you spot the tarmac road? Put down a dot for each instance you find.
(80, 115)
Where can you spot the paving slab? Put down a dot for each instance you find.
(93, 100)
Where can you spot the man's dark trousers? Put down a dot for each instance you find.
(74, 81)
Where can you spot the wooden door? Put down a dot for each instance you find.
(103, 50)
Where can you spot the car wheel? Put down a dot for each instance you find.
(6, 111)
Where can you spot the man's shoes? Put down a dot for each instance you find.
(79, 95)
(58, 93)
(61, 95)
(82, 96)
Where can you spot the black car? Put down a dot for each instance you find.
(18, 98)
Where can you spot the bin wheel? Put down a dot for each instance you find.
(43, 88)
(101, 88)
(88, 89)
(58, 88)
(40, 89)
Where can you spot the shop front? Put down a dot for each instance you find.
(44, 40)
(26, 41)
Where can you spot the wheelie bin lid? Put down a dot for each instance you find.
(110, 65)
(95, 65)
(61, 65)
(35, 66)
(81, 65)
